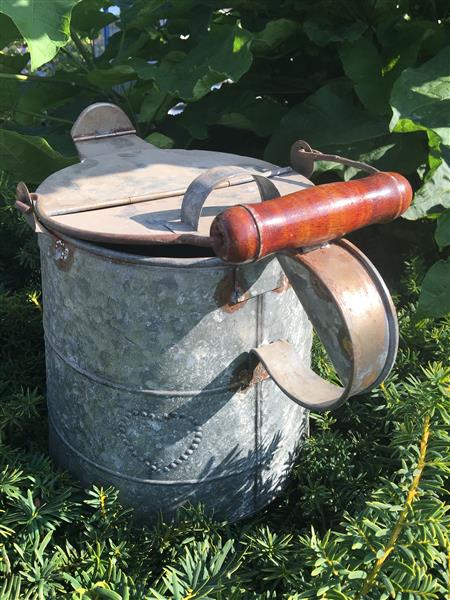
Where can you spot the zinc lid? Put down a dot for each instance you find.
(125, 190)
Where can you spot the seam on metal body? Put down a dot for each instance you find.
(141, 479)
(118, 386)
(258, 400)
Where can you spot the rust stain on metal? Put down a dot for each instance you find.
(285, 284)
(345, 343)
(259, 374)
(252, 376)
(225, 294)
(63, 254)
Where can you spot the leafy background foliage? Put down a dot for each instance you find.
(366, 512)
(368, 79)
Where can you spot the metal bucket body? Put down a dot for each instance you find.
(150, 384)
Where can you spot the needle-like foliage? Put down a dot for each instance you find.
(365, 515)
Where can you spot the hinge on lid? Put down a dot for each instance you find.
(97, 136)
(101, 120)
(103, 123)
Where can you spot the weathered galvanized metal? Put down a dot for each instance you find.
(154, 379)
(150, 385)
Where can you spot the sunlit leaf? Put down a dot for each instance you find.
(221, 54)
(44, 25)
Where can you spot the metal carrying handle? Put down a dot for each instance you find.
(200, 188)
(352, 312)
(303, 158)
(344, 297)
(25, 203)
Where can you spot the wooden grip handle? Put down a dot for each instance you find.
(309, 217)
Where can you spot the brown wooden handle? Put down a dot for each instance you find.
(309, 217)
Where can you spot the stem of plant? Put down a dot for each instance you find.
(81, 49)
(74, 59)
(398, 528)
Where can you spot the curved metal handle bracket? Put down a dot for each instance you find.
(354, 317)
(303, 158)
(26, 204)
(200, 188)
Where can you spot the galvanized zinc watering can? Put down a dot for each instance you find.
(177, 350)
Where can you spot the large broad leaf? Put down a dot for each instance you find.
(89, 16)
(30, 158)
(153, 103)
(394, 152)
(140, 14)
(363, 65)
(421, 101)
(40, 97)
(325, 32)
(43, 24)
(330, 120)
(421, 98)
(222, 54)
(442, 234)
(434, 299)
(435, 192)
(107, 78)
(8, 31)
(160, 140)
(273, 35)
(9, 95)
(234, 108)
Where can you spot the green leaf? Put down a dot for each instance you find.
(152, 104)
(421, 97)
(273, 35)
(13, 63)
(30, 158)
(442, 233)
(327, 32)
(103, 592)
(107, 78)
(8, 31)
(160, 140)
(363, 65)
(434, 299)
(234, 108)
(9, 94)
(329, 120)
(43, 24)
(420, 101)
(435, 192)
(89, 16)
(357, 575)
(221, 54)
(41, 97)
(396, 152)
